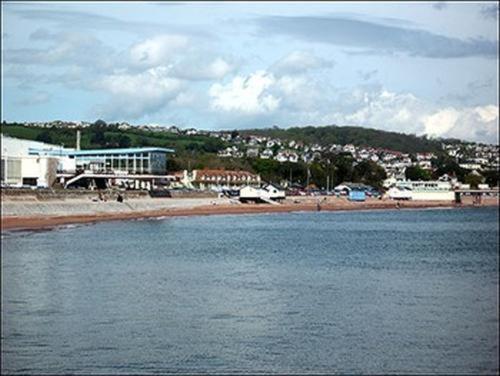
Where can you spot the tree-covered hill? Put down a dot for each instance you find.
(358, 136)
(101, 135)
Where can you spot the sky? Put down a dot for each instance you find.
(412, 67)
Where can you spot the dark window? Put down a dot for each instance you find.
(29, 181)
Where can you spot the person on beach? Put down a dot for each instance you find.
(318, 206)
(119, 198)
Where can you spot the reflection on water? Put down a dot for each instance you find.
(373, 292)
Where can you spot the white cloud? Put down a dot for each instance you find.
(67, 48)
(299, 100)
(378, 108)
(203, 68)
(301, 93)
(487, 113)
(403, 112)
(156, 51)
(134, 95)
(299, 62)
(470, 123)
(248, 95)
(440, 122)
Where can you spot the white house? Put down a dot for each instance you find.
(266, 154)
(269, 193)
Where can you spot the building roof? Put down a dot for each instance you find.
(101, 151)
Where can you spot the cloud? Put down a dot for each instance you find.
(262, 98)
(366, 76)
(159, 50)
(376, 107)
(472, 93)
(135, 95)
(72, 19)
(440, 5)
(299, 62)
(471, 123)
(301, 96)
(374, 37)
(201, 66)
(247, 95)
(68, 48)
(404, 112)
(490, 11)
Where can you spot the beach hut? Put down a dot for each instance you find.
(357, 194)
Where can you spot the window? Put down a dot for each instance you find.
(2, 171)
(30, 181)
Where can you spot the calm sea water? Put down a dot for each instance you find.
(352, 292)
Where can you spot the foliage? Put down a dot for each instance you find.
(444, 164)
(200, 151)
(417, 173)
(100, 135)
(44, 137)
(351, 135)
(492, 178)
(473, 179)
(368, 172)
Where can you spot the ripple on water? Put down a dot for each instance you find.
(353, 292)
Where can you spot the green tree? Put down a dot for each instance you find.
(417, 173)
(212, 145)
(275, 148)
(318, 175)
(174, 164)
(124, 141)
(99, 123)
(492, 178)
(444, 164)
(343, 168)
(473, 179)
(45, 136)
(267, 168)
(368, 172)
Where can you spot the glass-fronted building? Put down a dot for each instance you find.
(152, 161)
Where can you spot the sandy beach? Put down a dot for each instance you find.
(32, 214)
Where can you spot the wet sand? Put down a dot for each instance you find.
(218, 207)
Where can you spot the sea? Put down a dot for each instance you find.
(389, 291)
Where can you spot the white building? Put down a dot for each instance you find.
(39, 164)
(428, 190)
(19, 168)
(470, 166)
(266, 154)
(269, 193)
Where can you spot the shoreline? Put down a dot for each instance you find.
(34, 222)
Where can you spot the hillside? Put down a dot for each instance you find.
(109, 136)
(358, 136)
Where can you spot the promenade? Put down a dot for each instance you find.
(33, 214)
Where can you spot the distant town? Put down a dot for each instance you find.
(239, 157)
